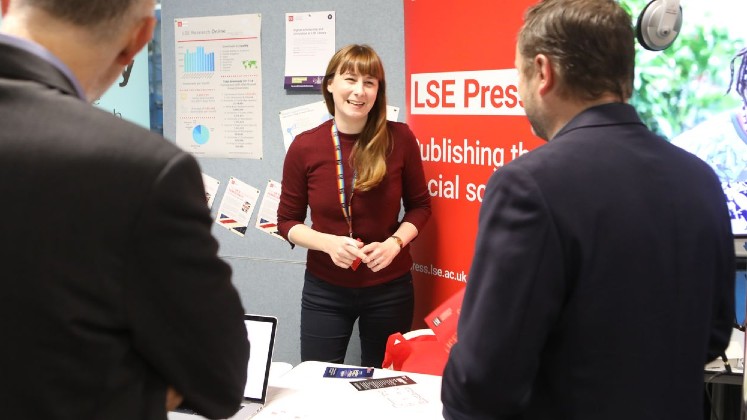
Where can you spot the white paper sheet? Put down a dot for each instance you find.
(237, 206)
(211, 188)
(219, 86)
(294, 121)
(267, 216)
(309, 44)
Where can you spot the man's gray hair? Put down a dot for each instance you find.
(87, 13)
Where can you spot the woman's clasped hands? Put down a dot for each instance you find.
(347, 252)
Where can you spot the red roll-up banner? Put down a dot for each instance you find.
(464, 108)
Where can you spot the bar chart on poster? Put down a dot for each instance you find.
(198, 61)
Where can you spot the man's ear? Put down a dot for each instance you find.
(545, 73)
(142, 33)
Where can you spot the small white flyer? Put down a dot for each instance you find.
(309, 44)
(211, 189)
(392, 113)
(267, 216)
(294, 121)
(237, 206)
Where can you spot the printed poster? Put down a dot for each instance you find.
(237, 206)
(294, 121)
(129, 97)
(309, 45)
(211, 188)
(219, 86)
(267, 217)
(464, 108)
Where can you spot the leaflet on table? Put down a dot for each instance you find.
(267, 216)
(211, 189)
(236, 206)
(219, 86)
(403, 397)
(369, 384)
(443, 320)
(340, 372)
(309, 44)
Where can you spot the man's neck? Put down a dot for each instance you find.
(86, 64)
(569, 109)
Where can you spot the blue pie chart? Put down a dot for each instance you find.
(201, 134)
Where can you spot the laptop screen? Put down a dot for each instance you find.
(261, 332)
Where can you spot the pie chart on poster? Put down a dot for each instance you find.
(201, 134)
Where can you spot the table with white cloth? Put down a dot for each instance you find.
(304, 393)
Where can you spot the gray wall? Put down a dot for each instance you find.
(267, 273)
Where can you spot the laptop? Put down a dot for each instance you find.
(261, 332)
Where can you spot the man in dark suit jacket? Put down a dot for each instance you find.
(113, 295)
(603, 273)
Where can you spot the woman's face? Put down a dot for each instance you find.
(353, 94)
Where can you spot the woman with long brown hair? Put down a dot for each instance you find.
(354, 172)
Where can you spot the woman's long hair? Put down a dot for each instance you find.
(368, 157)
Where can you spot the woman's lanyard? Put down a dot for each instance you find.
(347, 210)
